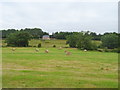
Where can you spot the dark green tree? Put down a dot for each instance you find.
(72, 40)
(5, 33)
(85, 41)
(82, 40)
(39, 45)
(18, 39)
(110, 41)
(35, 32)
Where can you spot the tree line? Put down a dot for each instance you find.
(36, 33)
(84, 41)
(80, 40)
(62, 35)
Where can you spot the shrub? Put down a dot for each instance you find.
(100, 50)
(116, 50)
(39, 45)
(112, 50)
(54, 45)
(34, 46)
(67, 42)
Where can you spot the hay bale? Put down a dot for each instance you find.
(46, 51)
(85, 50)
(60, 48)
(13, 49)
(37, 50)
(68, 53)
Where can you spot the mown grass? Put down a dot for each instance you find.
(44, 43)
(48, 43)
(26, 68)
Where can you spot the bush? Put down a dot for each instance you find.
(112, 50)
(100, 50)
(54, 45)
(67, 42)
(39, 45)
(116, 50)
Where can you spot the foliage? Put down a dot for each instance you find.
(72, 40)
(54, 45)
(118, 50)
(95, 36)
(81, 41)
(62, 35)
(110, 41)
(36, 33)
(93, 46)
(84, 41)
(18, 39)
(39, 45)
(5, 33)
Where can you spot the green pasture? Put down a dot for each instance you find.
(48, 43)
(26, 68)
(45, 43)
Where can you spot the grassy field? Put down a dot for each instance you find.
(45, 44)
(48, 43)
(26, 68)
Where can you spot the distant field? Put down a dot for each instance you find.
(49, 43)
(26, 68)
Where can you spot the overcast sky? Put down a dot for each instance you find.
(54, 16)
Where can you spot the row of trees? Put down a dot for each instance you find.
(81, 40)
(111, 40)
(84, 41)
(38, 33)
(95, 36)
(62, 35)
(34, 32)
